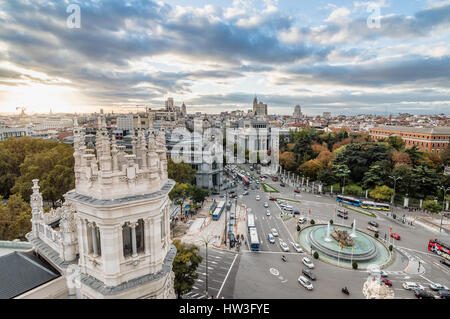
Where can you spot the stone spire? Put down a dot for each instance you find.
(37, 207)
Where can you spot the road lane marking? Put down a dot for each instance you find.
(226, 277)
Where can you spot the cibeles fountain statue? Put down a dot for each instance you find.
(342, 236)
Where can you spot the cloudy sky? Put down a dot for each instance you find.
(216, 55)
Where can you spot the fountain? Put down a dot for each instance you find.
(353, 234)
(328, 239)
(357, 246)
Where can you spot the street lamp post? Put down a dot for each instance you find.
(207, 240)
(225, 235)
(395, 178)
(444, 189)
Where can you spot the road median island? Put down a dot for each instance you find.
(360, 211)
(269, 189)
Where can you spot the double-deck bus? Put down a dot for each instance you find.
(372, 205)
(218, 211)
(348, 200)
(250, 222)
(438, 246)
(244, 179)
(254, 240)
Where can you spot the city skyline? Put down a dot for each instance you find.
(216, 56)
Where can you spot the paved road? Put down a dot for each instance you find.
(220, 274)
(264, 275)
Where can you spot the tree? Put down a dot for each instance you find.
(197, 194)
(15, 218)
(288, 161)
(377, 175)
(355, 265)
(24, 159)
(432, 206)
(310, 169)
(327, 176)
(396, 142)
(381, 192)
(445, 155)
(185, 266)
(341, 171)
(316, 255)
(360, 156)
(178, 194)
(181, 172)
(415, 154)
(401, 158)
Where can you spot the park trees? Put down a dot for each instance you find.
(14, 218)
(382, 192)
(185, 266)
(360, 156)
(180, 172)
(377, 175)
(432, 206)
(288, 161)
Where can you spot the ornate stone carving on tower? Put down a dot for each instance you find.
(115, 223)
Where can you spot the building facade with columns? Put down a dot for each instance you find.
(111, 237)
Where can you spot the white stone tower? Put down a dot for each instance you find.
(121, 211)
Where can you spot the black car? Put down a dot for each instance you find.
(345, 216)
(445, 262)
(308, 273)
(422, 294)
(375, 224)
(296, 212)
(215, 192)
(444, 293)
(282, 184)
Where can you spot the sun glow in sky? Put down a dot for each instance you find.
(216, 55)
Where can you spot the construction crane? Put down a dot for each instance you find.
(22, 113)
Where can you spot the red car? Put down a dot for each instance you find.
(272, 198)
(275, 179)
(387, 282)
(297, 190)
(396, 236)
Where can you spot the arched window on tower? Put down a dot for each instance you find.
(133, 238)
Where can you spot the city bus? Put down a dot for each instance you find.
(251, 221)
(254, 241)
(439, 247)
(373, 205)
(218, 211)
(348, 200)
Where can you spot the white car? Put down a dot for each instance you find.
(297, 247)
(305, 283)
(284, 246)
(271, 238)
(412, 286)
(378, 272)
(307, 262)
(258, 197)
(288, 208)
(282, 204)
(274, 232)
(268, 212)
(435, 286)
(302, 220)
(266, 204)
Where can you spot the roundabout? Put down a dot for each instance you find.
(341, 246)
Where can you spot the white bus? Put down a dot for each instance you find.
(254, 240)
